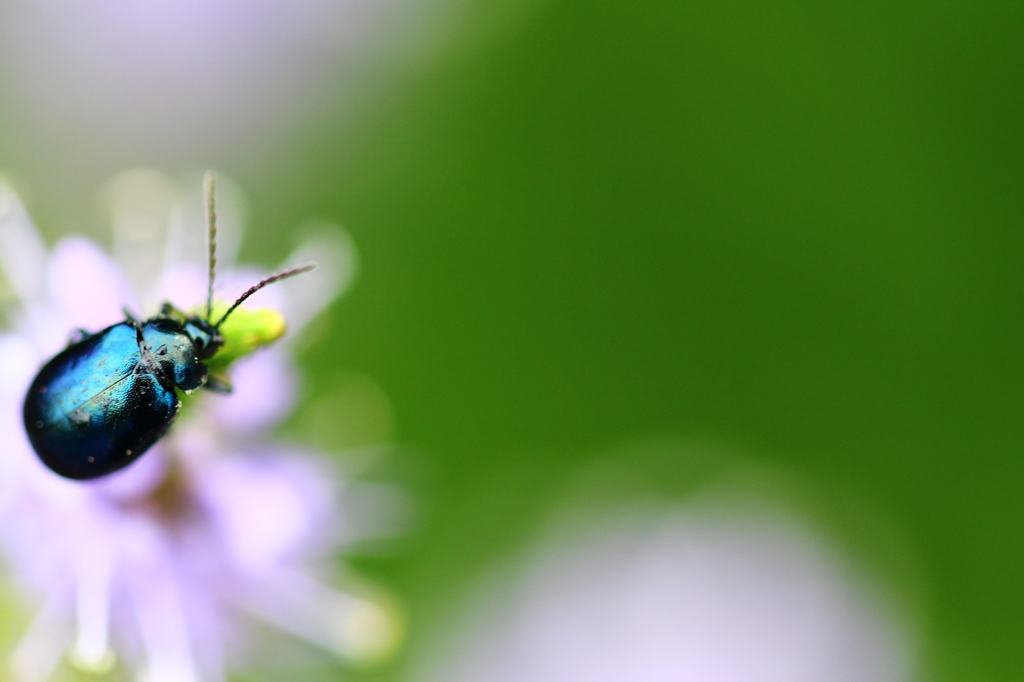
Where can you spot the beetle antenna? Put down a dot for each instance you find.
(211, 238)
(256, 287)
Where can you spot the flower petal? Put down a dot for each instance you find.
(352, 626)
(265, 385)
(93, 567)
(141, 201)
(40, 650)
(267, 510)
(184, 285)
(86, 287)
(161, 619)
(336, 260)
(187, 237)
(22, 250)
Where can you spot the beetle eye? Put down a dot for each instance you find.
(206, 340)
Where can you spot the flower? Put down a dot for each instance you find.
(166, 563)
(90, 87)
(704, 594)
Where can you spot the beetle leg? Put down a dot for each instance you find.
(168, 309)
(218, 385)
(130, 316)
(134, 322)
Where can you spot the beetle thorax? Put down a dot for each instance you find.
(170, 347)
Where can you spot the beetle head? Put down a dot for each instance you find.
(205, 336)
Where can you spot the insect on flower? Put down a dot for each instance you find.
(105, 399)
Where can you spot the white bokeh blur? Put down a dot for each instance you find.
(680, 595)
(89, 88)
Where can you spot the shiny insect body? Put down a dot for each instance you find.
(106, 398)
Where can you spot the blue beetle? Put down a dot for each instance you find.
(106, 398)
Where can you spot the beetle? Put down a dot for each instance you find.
(105, 399)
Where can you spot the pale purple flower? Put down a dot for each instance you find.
(90, 87)
(654, 594)
(165, 564)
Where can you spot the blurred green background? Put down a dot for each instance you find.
(795, 228)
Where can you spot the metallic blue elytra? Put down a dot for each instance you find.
(104, 400)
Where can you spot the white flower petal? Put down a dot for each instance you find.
(267, 510)
(22, 250)
(337, 262)
(184, 285)
(19, 360)
(698, 597)
(86, 287)
(264, 389)
(209, 627)
(94, 569)
(352, 627)
(140, 202)
(37, 654)
(236, 282)
(161, 619)
(187, 238)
